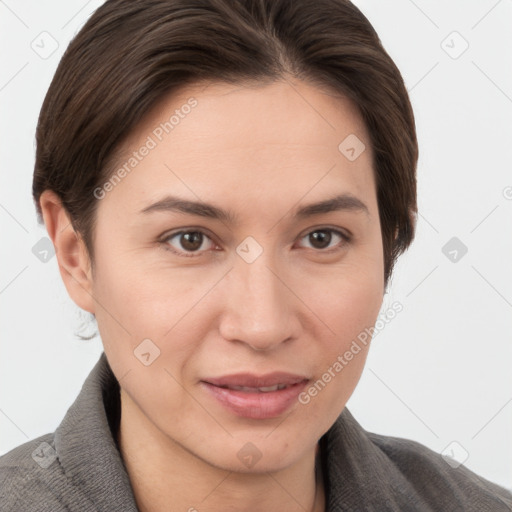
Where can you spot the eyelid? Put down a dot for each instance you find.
(322, 227)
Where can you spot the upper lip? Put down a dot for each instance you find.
(256, 381)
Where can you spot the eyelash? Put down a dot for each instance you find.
(165, 241)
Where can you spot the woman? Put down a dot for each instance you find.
(228, 185)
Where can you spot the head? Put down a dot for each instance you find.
(257, 109)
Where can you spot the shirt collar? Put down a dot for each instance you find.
(86, 448)
(355, 471)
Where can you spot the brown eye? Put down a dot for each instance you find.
(191, 242)
(321, 238)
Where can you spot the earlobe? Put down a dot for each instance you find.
(70, 250)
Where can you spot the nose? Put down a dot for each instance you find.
(259, 307)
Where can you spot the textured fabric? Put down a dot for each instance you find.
(79, 468)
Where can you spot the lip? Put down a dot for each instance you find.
(251, 380)
(256, 404)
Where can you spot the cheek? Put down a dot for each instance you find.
(349, 307)
(135, 294)
(355, 308)
(351, 317)
(136, 302)
(348, 300)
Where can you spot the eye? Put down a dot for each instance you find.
(190, 242)
(320, 239)
(193, 242)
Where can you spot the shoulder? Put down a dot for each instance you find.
(439, 480)
(369, 471)
(26, 473)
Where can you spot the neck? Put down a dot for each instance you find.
(163, 474)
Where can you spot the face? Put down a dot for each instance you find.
(256, 283)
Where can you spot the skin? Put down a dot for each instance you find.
(259, 152)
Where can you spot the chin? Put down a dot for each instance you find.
(255, 454)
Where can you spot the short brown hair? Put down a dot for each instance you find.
(132, 53)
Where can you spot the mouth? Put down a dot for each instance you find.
(267, 382)
(265, 389)
(256, 397)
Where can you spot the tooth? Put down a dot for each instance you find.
(269, 388)
(244, 388)
(264, 389)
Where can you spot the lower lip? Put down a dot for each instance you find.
(256, 405)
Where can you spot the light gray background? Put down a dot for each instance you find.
(441, 370)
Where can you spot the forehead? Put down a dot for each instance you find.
(279, 140)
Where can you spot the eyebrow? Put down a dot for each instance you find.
(342, 202)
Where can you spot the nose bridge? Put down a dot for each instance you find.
(258, 306)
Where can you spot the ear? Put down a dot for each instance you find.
(70, 250)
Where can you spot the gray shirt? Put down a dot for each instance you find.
(79, 468)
